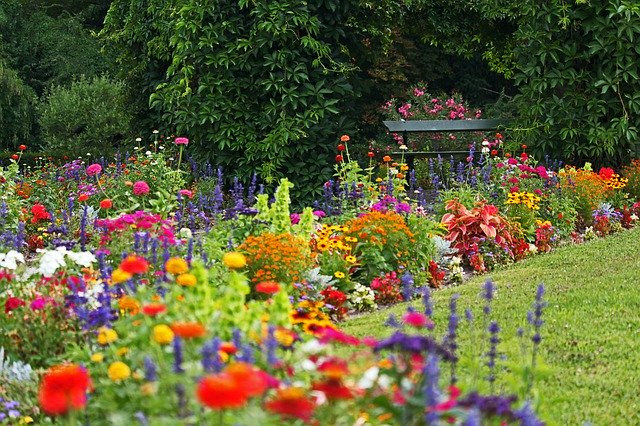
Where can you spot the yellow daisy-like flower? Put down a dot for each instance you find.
(234, 260)
(350, 259)
(118, 371)
(162, 334)
(176, 266)
(351, 239)
(339, 275)
(119, 276)
(97, 357)
(106, 336)
(322, 245)
(122, 351)
(187, 280)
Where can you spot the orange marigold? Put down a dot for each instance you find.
(188, 330)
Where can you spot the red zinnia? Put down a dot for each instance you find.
(249, 377)
(15, 157)
(12, 303)
(291, 402)
(133, 264)
(268, 287)
(338, 158)
(106, 204)
(333, 389)
(83, 197)
(221, 391)
(22, 147)
(341, 147)
(188, 330)
(64, 388)
(153, 309)
(370, 154)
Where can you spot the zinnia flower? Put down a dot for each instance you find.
(12, 303)
(188, 330)
(133, 264)
(267, 287)
(83, 197)
(94, 169)
(106, 336)
(119, 276)
(181, 141)
(176, 266)
(417, 319)
(221, 391)
(106, 204)
(140, 188)
(64, 388)
(344, 138)
(153, 309)
(118, 371)
(248, 376)
(292, 403)
(234, 260)
(187, 280)
(162, 334)
(333, 389)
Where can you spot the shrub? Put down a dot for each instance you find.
(89, 116)
(16, 109)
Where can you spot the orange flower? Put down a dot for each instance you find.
(344, 138)
(249, 377)
(106, 204)
(153, 309)
(128, 303)
(64, 388)
(228, 348)
(386, 158)
(83, 197)
(187, 280)
(188, 330)
(221, 391)
(134, 264)
(291, 403)
(176, 266)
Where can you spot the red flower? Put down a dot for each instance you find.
(267, 287)
(370, 154)
(83, 197)
(417, 319)
(334, 368)
(188, 330)
(153, 309)
(22, 147)
(15, 157)
(494, 152)
(12, 303)
(221, 391)
(333, 389)
(606, 173)
(341, 147)
(249, 377)
(106, 204)
(134, 264)
(344, 138)
(39, 212)
(228, 348)
(338, 158)
(291, 403)
(64, 388)
(331, 335)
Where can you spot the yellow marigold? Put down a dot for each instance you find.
(186, 280)
(97, 357)
(106, 336)
(128, 303)
(119, 276)
(176, 266)
(118, 371)
(122, 351)
(162, 334)
(234, 260)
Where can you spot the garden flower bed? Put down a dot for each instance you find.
(134, 291)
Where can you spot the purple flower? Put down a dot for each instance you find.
(416, 344)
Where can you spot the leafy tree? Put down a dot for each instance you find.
(16, 109)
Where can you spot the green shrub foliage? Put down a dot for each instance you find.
(16, 109)
(90, 116)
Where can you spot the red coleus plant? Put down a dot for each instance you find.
(435, 275)
(467, 228)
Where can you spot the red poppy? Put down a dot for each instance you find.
(221, 391)
(64, 388)
(134, 264)
(188, 330)
(153, 309)
(249, 377)
(292, 403)
(268, 287)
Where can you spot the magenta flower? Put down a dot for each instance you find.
(186, 193)
(38, 303)
(319, 214)
(295, 218)
(94, 169)
(140, 188)
(417, 319)
(181, 141)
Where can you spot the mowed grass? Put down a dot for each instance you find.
(591, 335)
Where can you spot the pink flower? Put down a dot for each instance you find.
(186, 193)
(417, 319)
(295, 218)
(319, 214)
(38, 303)
(140, 188)
(94, 169)
(181, 141)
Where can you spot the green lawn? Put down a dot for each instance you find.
(591, 337)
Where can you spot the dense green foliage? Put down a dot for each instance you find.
(88, 116)
(16, 109)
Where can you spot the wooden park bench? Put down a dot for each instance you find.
(438, 126)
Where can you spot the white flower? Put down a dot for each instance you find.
(138, 139)
(485, 149)
(155, 132)
(311, 347)
(308, 365)
(51, 260)
(186, 233)
(83, 258)
(633, 217)
(533, 248)
(369, 378)
(10, 259)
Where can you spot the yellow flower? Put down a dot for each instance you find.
(176, 266)
(284, 336)
(118, 371)
(26, 420)
(97, 357)
(162, 334)
(122, 351)
(224, 357)
(106, 336)
(119, 276)
(339, 275)
(149, 388)
(350, 259)
(234, 260)
(128, 303)
(186, 280)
